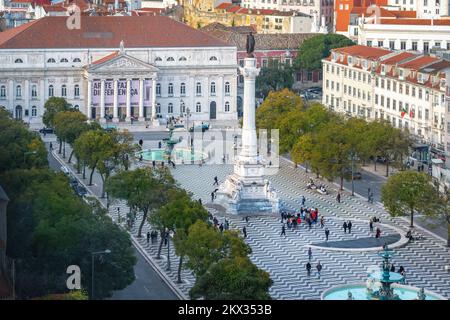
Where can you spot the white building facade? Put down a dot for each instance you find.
(154, 76)
(405, 89)
(424, 8)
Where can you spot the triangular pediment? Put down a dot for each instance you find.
(120, 62)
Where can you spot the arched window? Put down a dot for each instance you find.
(158, 108)
(213, 58)
(64, 60)
(50, 90)
(182, 59)
(18, 91)
(33, 91)
(76, 90)
(182, 89)
(213, 88)
(33, 111)
(227, 88)
(2, 91)
(18, 112)
(158, 89)
(63, 90)
(227, 106)
(198, 89)
(198, 107)
(76, 107)
(18, 61)
(170, 90)
(77, 60)
(51, 60)
(170, 108)
(170, 59)
(182, 108)
(158, 59)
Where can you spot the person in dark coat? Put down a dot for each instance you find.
(308, 268)
(244, 231)
(345, 227)
(349, 226)
(327, 234)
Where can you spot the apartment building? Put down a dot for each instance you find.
(406, 89)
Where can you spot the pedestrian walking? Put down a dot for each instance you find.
(246, 219)
(153, 164)
(216, 181)
(308, 268)
(322, 222)
(244, 231)
(338, 197)
(283, 230)
(327, 234)
(51, 146)
(309, 253)
(148, 237)
(303, 201)
(319, 268)
(212, 196)
(345, 227)
(371, 197)
(349, 226)
(378, 233)
(371, 225)
(221, 227)
(368, 194)
(392, 268)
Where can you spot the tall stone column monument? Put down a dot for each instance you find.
(246, 191)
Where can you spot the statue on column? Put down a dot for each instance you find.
(250, 46)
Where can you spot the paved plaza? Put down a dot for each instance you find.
(345, 257)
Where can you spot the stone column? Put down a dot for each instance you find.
(155, 121)
(116, 104)
(89, 99)
(11, 94)
(102, 101)
(26, 97)
(249, 141)
(128, 118)
(141, 100)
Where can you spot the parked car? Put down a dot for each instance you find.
(65, 170)
(356, 175)
(81, 191)
(203, 127)
(46, 130)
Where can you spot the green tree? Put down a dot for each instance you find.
(316, 48)
(178, 215)
(407, 192)
(19, 148)
(274, 78)
(145, 189)
(205, 245)
(50, 228)
(234, 278)
(69, 125)
(52, 107)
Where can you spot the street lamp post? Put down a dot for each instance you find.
(168, 249)
(107, 251)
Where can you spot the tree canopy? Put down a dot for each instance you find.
(52, 107)
(273, 78)
(316, 48)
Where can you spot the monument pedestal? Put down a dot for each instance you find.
(246, 191)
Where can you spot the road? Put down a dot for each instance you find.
(148, 285)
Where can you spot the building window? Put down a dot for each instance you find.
(18, 61)
(213, 58)
(380, 43)
(182, 108)
(158, 108)
(392, 45)
(414, 45)
(50, 90)
(426, 47)
(182, 89)
(213, 88)
(158, 90)
(403, 45)
(33, 91)
(3, 92)
(170, 90)
(227, 106)
(158, 59)
(64, 60)
(51, 60)
(77, 60)
(198, 107)
(227, 88)
(76, 90)
(19, 91)
(198, 89)
(76, 107)
(170, 108)
(63, 90)
(369, 43)
(182, 59)
(33, 111)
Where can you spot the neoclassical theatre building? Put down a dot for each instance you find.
(117, 68)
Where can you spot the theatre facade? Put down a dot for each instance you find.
(118, 69)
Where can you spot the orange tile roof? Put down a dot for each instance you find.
(398, 58)
(106, 58)
(363, 51)
(424, 22)
(418, 63)
(106, 32)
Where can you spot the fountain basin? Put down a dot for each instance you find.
(179, 155)
(359, 292)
